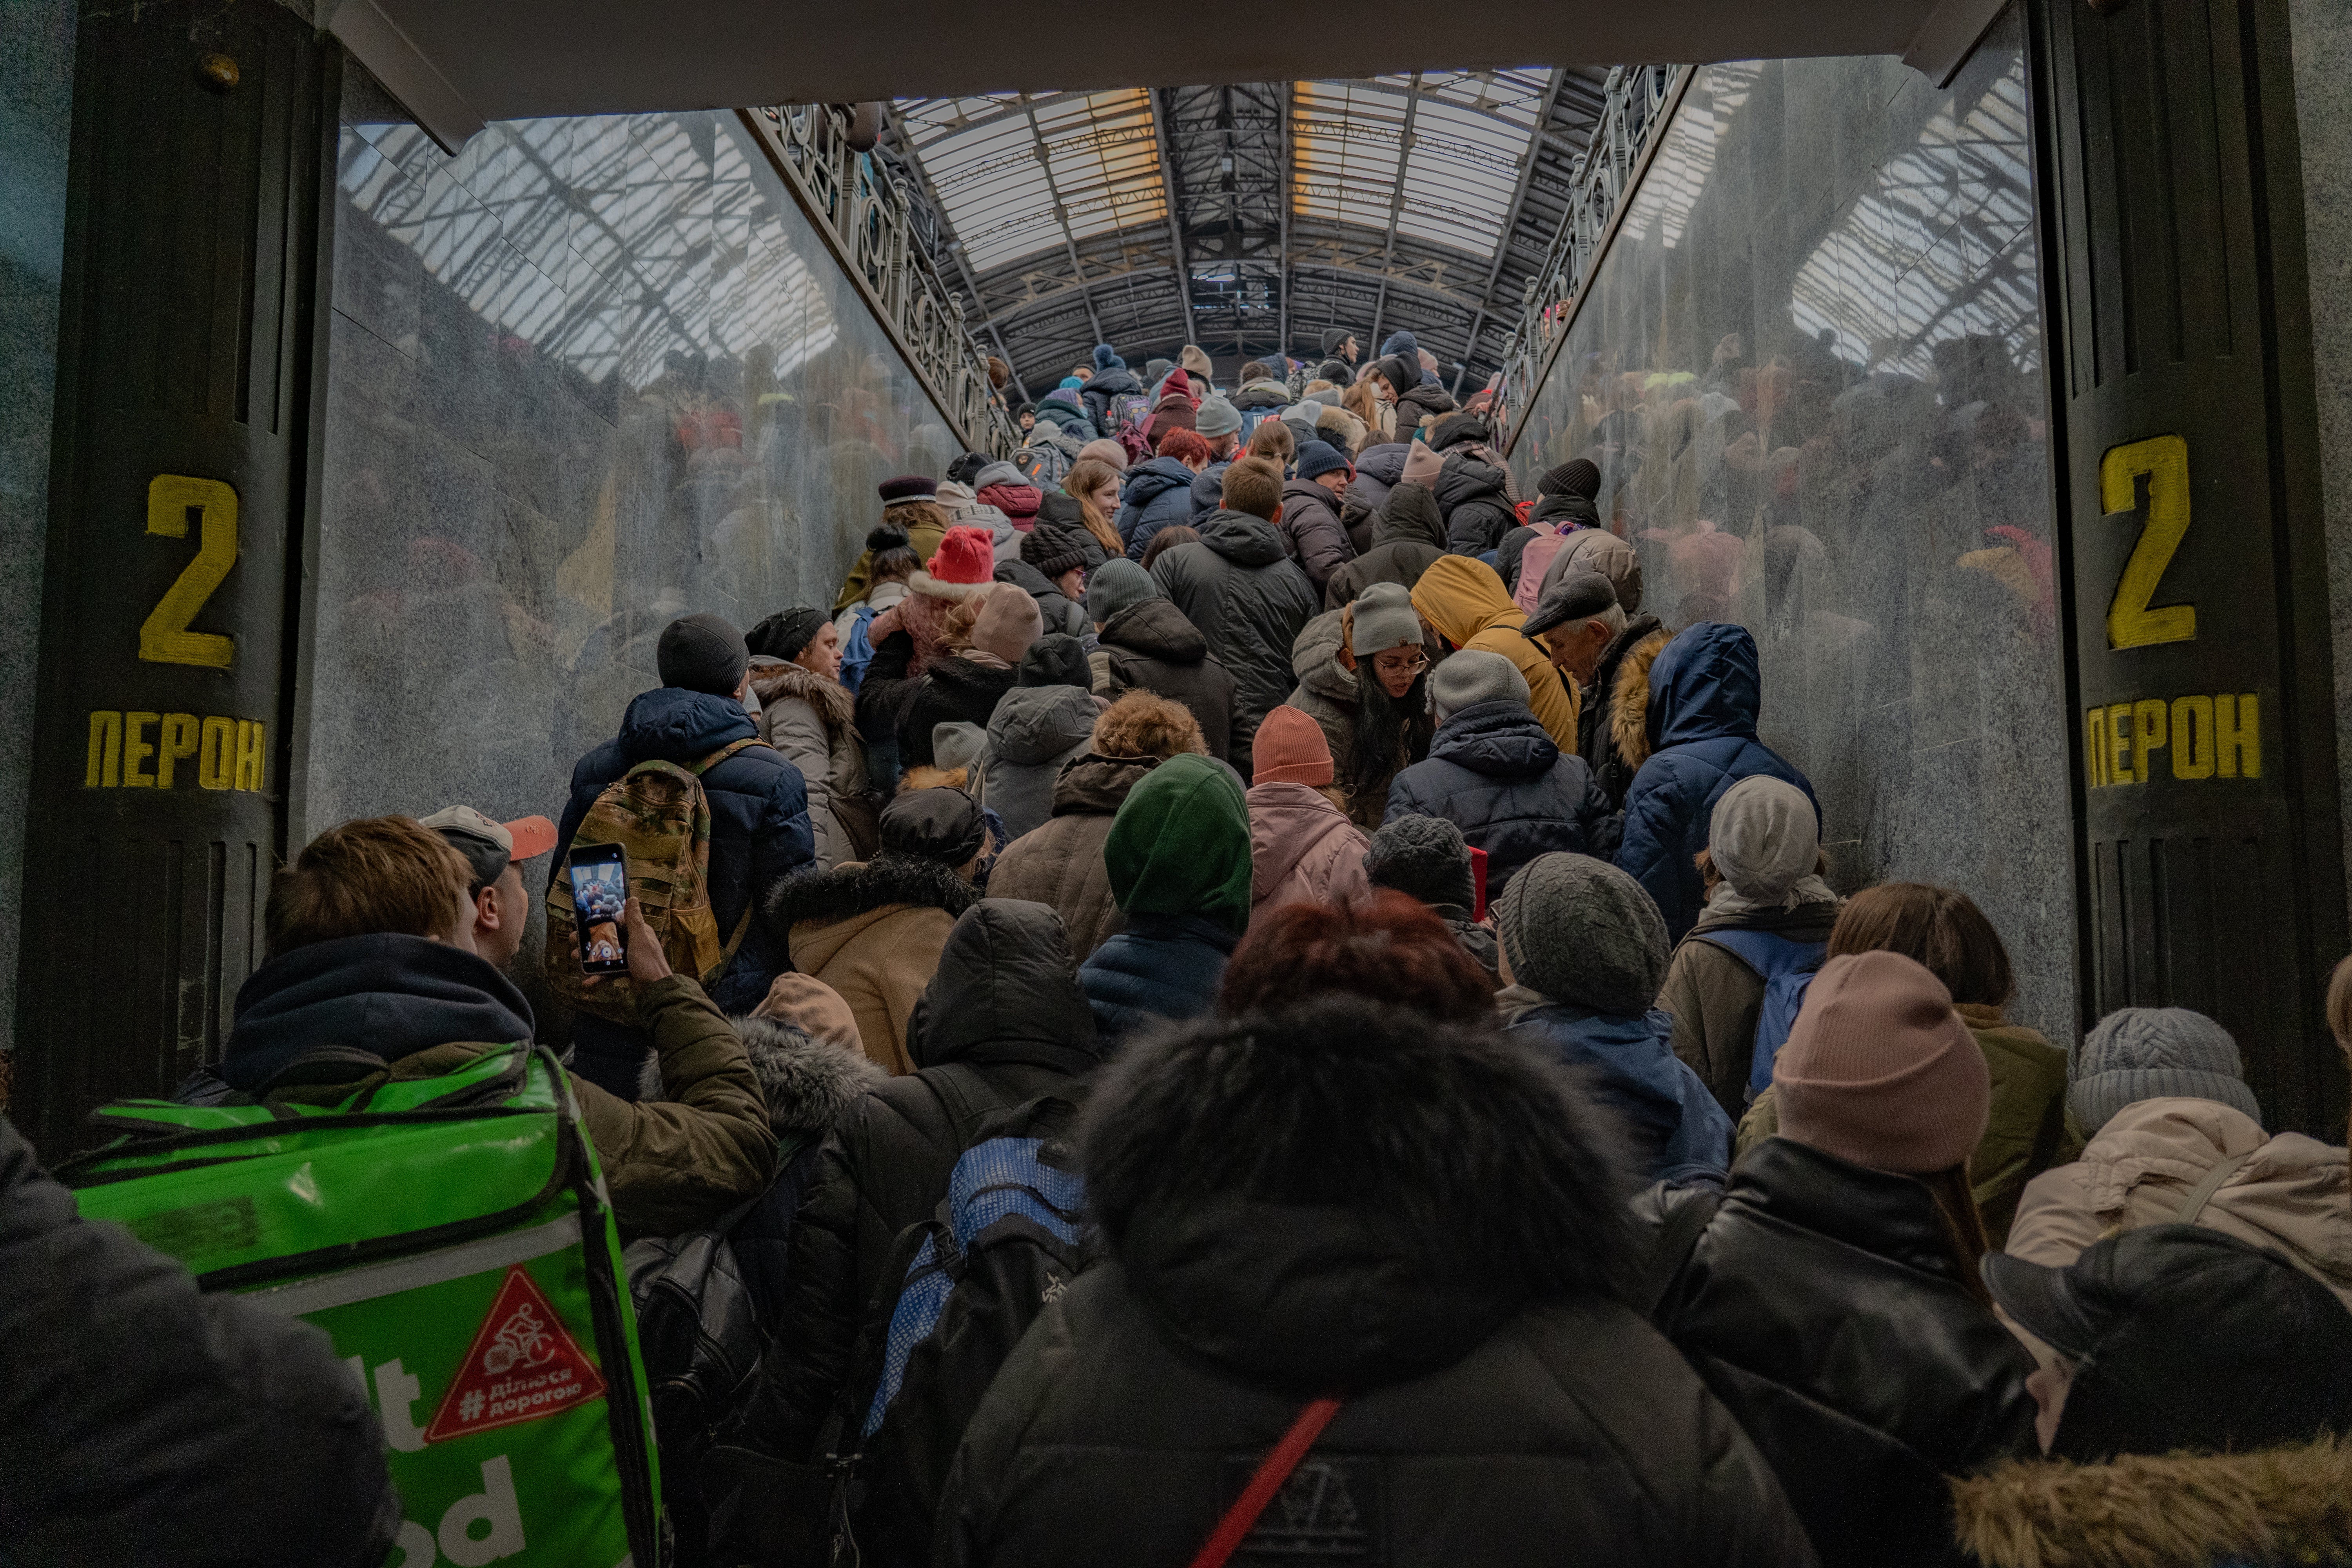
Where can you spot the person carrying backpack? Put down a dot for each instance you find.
(1764, 930)
(1114, 399)
(1002, 1024)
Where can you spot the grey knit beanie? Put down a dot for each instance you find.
(1474, 676)
(1422, 857)
(1116, 584)
(2149, 1053)
(1216, 417)
(1383, 618)
(1579, 930)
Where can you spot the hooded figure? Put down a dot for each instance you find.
(1249, 601)
(1464, 601)
(1418, 1219)
(1763, 842)
(1111, 379)
(1828, 1294)
(1405, 538)
(1002, 1022)
(1177, 409)
(1157, 493)
(873, 931)
(1583, 953)
(1302, 848)
(1378, 470)
(1061, 863)
(966, 509)
(1143, 643)
(1703, 697)
(1044, 722)
(1179, 859)
(1002, 486)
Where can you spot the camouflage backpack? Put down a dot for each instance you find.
(659, 816)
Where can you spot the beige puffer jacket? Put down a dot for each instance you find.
(809, 720)
(2292, 1193)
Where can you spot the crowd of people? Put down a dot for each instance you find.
(1470, 1048)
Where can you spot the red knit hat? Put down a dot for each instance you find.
(964, 564)
(1878, 1069)
(1290, 748)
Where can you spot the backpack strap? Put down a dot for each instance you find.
(1769, 954)
(721, 754)
(1272, 1472)
(2202, 1193)
(964, 1093)
(1678, 1240)
(742, 926)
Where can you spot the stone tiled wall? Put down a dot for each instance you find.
(1809, 369)
(37, 52)
(588, 375)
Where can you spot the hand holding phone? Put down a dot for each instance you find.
(599, 898)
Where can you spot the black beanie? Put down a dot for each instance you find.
(702, 653)
(1057, 659)
(1576, 476)
(1424, 858)
(1399, 372)
(1332, 338)
(784, 634)
(941, 825)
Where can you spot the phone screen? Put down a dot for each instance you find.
(600, 890)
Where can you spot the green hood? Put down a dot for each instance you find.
(1181, 844)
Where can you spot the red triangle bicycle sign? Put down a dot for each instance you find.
(524, 1364)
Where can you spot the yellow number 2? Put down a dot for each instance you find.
(165, 637)
(2164, 460)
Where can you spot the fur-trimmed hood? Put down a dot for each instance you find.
(1343, 1195)
(774, 680)
(1628, 705)
(808, 1083)
(862, 887)
(2275, 1506)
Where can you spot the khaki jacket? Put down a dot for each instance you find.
(2026, 1135)
(879, 959)
(2292, 1193)
(1716, 998)
(674, 1165)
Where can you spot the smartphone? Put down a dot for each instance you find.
(600, 892)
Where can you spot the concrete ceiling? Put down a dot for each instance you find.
(458, 64)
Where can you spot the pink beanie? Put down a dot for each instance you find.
(1879, 1071)
(1289, 748)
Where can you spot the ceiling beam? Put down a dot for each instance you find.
(1511, 217)
(1282, 278)
(1175, 218)
(1061, 212)
(1396, 204)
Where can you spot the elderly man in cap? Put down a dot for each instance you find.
(1574, 622)
(496, 850)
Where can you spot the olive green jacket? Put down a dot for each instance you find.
(671, 1165)
(2028, 1133)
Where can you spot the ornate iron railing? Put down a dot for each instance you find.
(1636, 107)
(866, 219)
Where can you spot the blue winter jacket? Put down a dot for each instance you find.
(1209, 488)
(758, 820)
(1679, 1132)
(1157, 494)
(1160, 966)
(1493, 772)
(1703, 697)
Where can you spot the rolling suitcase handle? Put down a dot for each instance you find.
(1272, 1472)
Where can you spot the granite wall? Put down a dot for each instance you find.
(589, 375)
(1811, 370)
(37, 44)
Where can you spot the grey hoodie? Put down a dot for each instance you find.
(1035, 730)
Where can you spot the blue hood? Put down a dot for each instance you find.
(671, 724)
(1501, 740)
(1704, 685)
(388, 994)
(1680, 1129)
(1147, 480)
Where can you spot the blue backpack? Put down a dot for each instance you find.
(856, 648)
(1787, 967)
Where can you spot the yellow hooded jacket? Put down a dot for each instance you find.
(1467, 603)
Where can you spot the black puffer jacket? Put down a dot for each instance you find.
(1153, 648)
(1474, 494)
(1058, 610)
(1379, 469)
(1002, 1021)
(1427, 401)
(1310, 521)
(1249, 601)
(1823, 1305)
(143, 1422)
(1098, 393)
(954, 689)
(1493, 772)
(1423, 1223)
(1611, 717)
(1410, 535)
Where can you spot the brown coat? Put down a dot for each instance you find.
(2028, 1131)
(1716, 998)
(2291, 1195)
(873, 932)
(1060, 864)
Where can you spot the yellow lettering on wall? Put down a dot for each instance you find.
(250, 754)
(2095, 746)
(2119, 769)
(165, 636)
(217, 763)
(136, 750)
(2237, 734)
(105, 750)
(178, 741)
(2192, 737)
(2164, 460)
(2148, 732)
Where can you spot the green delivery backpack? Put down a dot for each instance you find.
(453, 1235)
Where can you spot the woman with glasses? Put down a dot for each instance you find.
(1362, 677)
